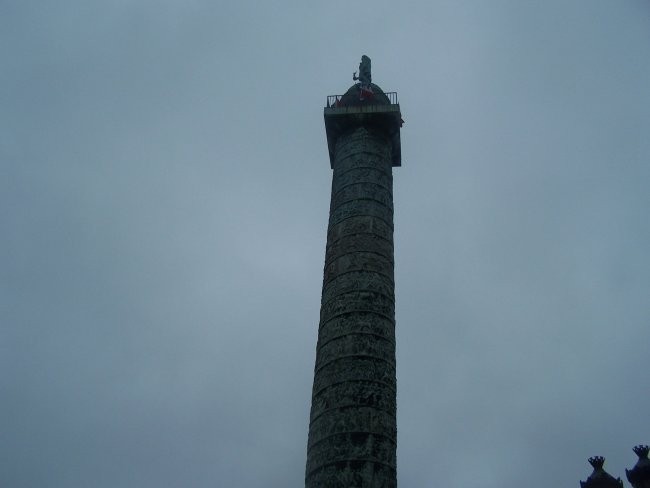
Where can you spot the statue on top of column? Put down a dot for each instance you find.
(364, 72)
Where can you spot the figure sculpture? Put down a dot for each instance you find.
(364, 77)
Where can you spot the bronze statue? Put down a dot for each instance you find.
(364, 72)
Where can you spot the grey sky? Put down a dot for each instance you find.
(164, 189)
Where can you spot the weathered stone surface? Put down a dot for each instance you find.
(360, 242)
(369, 207)
(363, 160)
(362, 190)
(362, 148)
(354, 474)
(353, 434)
(359, 323)
(353, 418)
(355, 368)
(379, 176)
(355, 393)
(358, 261)
(357, 281)
(360, 301)
(352, 446)
(354, 344)
(360, 224)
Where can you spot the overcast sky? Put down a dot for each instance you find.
(164, 193)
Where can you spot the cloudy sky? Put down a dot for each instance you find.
(164, 191)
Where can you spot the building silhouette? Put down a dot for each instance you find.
(638, 476)
(600, 478)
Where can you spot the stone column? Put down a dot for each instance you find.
(352, 430)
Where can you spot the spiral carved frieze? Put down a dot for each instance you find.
(355, 368)
(347, 474)
(359, 242)
(343, 447)
(358, 281)
(357, 323)
(359, 224)
(362, 161)
(360, 301)
(352, 433)
(352, 418)
(354, 344)
(378, 175)
(358, 261)
(361, 191)
(359, 393)
(369, 207)
(362, 145)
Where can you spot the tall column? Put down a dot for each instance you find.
(352, 431)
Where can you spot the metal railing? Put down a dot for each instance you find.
(337, 100)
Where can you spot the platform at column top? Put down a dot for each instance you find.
(357, 107)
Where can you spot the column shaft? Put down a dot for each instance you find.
(352, 431)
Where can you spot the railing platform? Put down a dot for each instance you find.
(337, 101)
(379, 112)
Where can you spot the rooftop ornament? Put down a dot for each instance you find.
(600, 478)
(597, 462)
